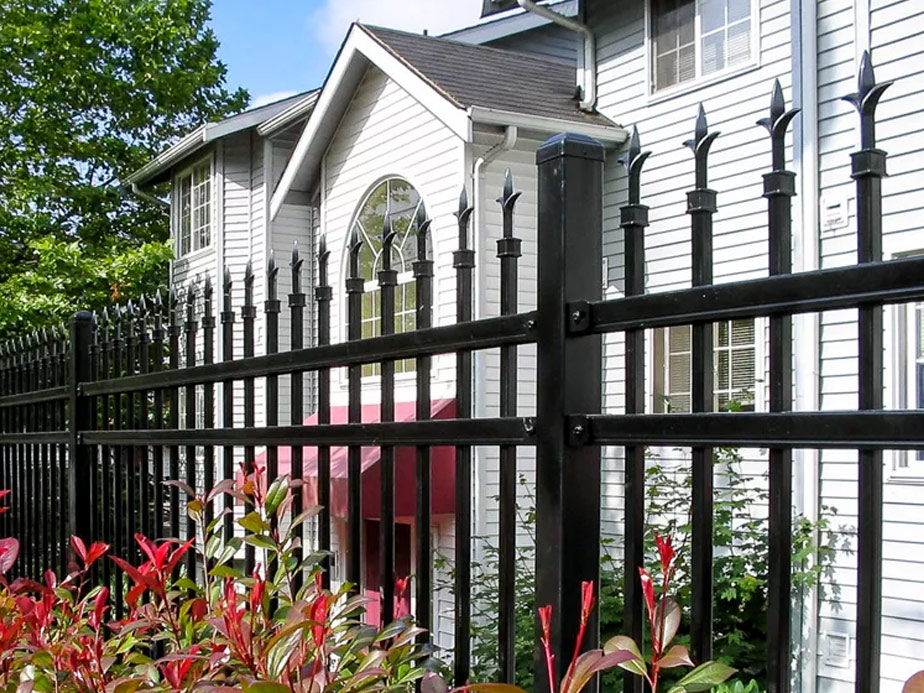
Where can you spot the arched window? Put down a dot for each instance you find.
(398, 198)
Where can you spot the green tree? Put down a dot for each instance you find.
(92, 89)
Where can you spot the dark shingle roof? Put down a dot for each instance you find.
(472, 75)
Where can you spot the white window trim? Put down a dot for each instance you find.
(760, 354)
(699, 81)
(904, 467)
(372, 383)
(175, 210)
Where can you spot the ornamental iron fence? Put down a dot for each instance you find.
(90, 421)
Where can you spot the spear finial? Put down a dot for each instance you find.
(423, 229)
(355, 247)
(777, 124)
(463, 215)
(866, 99)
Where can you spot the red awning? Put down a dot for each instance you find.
(443, 464)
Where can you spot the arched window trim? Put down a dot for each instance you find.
(406, 245)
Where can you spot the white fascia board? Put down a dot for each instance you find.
(289, 115)
(360, 43)
(168, 157)
(604, 133)
(510, 26)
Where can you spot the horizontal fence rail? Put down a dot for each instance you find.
(188, 387)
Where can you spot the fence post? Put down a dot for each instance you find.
(570, 367)
(79, 420)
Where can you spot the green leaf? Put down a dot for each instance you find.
(276, 494)
(267, 687)
(224, 571)
(260, 542)
(677, 656)
(669, 612)
(282, 647)
(703, 678)
(253, 523)
(636, 664)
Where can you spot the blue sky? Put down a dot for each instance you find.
(275, 48)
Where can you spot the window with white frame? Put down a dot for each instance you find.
(194, 208)
(691, 39)
(397, 198)
(735, 363)
(911, 372)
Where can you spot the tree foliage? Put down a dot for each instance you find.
(93, 89)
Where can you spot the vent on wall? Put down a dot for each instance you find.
(838, 650)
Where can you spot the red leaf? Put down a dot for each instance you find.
(647, 590)
(79, 548)
(666, 551)
(133, 572)
(97, 551)
(9, 552)
(915, 684)
(177, 555)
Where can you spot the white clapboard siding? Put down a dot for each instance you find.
(521, 162)
(386, 132)
(739, 158)
(895, 28)
(551, 42)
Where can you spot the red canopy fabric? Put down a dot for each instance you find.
(442, 460)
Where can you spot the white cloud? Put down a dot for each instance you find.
(332, 20)
(265, 99)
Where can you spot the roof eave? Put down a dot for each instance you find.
(169, 157)
(296, 112)
(606, 134)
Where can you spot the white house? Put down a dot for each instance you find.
(404, 119)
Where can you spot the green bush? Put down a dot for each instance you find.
(740, 572)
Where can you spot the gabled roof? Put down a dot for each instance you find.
(460, 84)
(269, 118)
(489, 7)
(473, 76)
(510, 24)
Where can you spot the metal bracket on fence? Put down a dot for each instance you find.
(579, 318)
(578, 430)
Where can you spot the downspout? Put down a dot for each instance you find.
(511, 134)
(137, 191)
(806, 258)
(587, 62)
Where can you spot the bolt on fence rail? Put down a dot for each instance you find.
(94, 419)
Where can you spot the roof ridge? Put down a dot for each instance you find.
(371, 28)
(370, 31)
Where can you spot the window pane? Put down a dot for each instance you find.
(665, 25)
(666, 75)
(185, 214)
(743, 332)
(686, 22)
(714, 52)
(742, 375)
(722, 374)
(919, 331)
(679, 339)
(738, 10)
(713, 15)
(721, 334)
(739, 43)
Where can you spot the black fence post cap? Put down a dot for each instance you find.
(570, 144)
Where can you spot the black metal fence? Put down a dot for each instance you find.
(91, 421)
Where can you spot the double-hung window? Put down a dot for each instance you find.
(693, 39)
(398, 199)
(194, 208)
(735, 366)
(911, 373)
